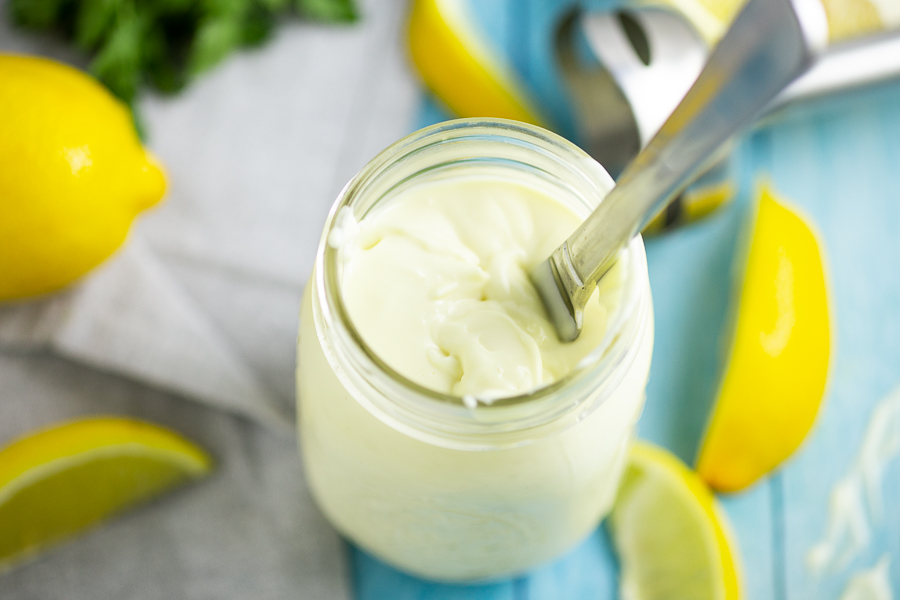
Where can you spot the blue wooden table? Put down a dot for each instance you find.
(836, 158)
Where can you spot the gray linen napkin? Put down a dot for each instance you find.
(202, 303)
(202, 299)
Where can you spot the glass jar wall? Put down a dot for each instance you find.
(416, 477)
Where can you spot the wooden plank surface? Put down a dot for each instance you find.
(838, 159)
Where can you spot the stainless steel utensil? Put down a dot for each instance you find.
(768, 46)
(647, 59)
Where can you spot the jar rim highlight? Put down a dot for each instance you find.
(443, 419)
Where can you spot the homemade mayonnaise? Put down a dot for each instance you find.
(437, 285)
(444, 428)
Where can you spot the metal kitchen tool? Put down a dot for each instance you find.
(770, 43)
(643, 62)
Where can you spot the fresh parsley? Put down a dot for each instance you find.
(165, 43)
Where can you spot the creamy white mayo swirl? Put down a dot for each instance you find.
(437, 285)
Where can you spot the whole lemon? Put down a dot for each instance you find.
(73, 175)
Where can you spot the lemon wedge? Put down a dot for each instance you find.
(775, 377)
(459, 67)
(672, 538)
(851, 18)
(710, 18)
(59, 481)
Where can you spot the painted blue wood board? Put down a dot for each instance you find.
(587, 572)
(374, 580)
(838, 160)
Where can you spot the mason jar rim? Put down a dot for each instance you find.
(443, 418)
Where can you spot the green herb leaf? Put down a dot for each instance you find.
(163, 59)
(93, 22)
(165, 42)
(335, 11)
(38, 14)
(257, 27)
(274, 6)
(215, 38)
(118, 63)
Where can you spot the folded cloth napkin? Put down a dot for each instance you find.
(134, 318)
(203, 297)
(202, 300)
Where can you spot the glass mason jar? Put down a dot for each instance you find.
(415, 477)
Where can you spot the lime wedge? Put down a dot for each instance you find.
(670, 534)
(60, 481)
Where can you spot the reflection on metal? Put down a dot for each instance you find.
(769, 44)
(848, 65)
(651, 58)
(653, 89)
(609, 132)
(626, 73)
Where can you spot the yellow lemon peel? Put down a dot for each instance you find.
(711, 18)
(459, 68)
(851, 18)
(74, 175)
(57, 482)
(776, 374)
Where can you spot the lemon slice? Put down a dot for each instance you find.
(59, 481)
(459, 67)
(672, 538)
(775, 378)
